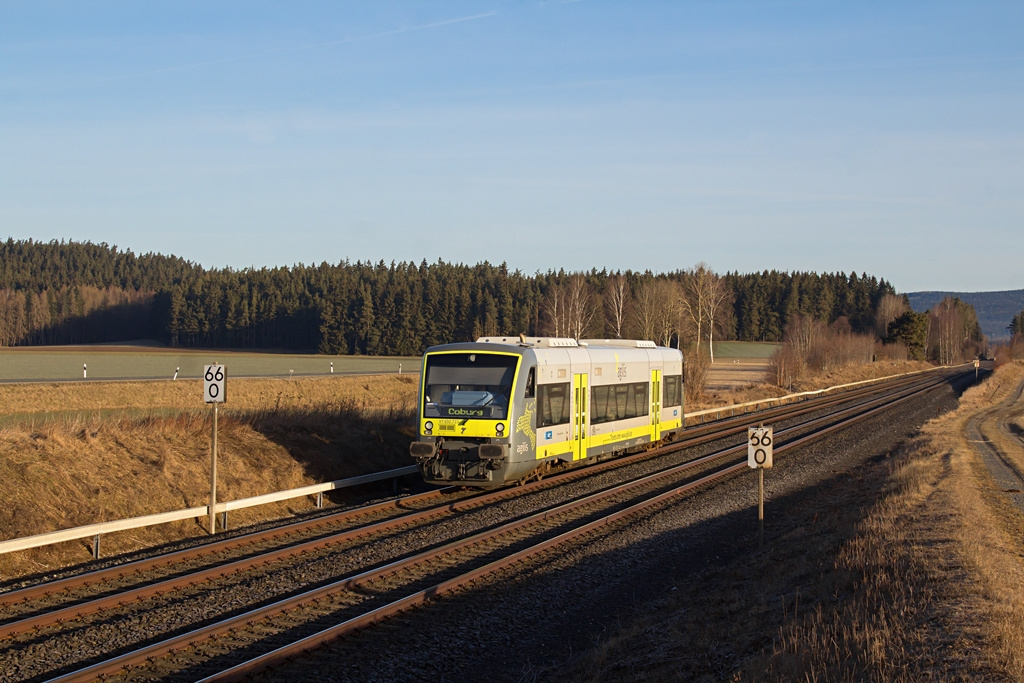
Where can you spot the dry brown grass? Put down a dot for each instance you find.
(935, 576)
(858, 373)
(381, 391)
(756, 392)
(76, 468)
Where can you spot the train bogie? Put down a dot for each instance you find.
(503, 409)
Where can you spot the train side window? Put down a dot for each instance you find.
(618, 402)
(530, 381)
(552, 404)
(673, 390)
(640, 404)
(599, 400)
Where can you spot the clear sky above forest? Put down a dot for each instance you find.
(885, 137)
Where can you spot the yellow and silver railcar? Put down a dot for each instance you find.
(502, 409)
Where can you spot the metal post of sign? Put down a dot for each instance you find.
(760, 505)
(213, 474)
(760, 500)
(214, 391)
(759, 457)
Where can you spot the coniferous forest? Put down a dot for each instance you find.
(74, 293)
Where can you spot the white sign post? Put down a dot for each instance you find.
(215, 392)
(760, 440)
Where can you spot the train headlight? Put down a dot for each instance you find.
(428, 425)
(500, 428)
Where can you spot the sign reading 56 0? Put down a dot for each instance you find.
(759, 447)
(214, 384)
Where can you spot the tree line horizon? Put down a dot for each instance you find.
(82, 292)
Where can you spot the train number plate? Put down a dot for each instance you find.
(447, 425)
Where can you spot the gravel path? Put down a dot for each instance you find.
(1006, 476)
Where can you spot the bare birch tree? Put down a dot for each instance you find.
(718, 295)
(645, 307)
(890, 307)
(553, 311)
(616, 302)
(579, 306)
(703, 298)
(568, 308)
(667, 293)
(949, 330)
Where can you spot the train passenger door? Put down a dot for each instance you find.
(580, 420)
(655, 405)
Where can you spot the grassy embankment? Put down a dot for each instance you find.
(122, 449)
(845, 375)
(934, 579)
(925, 582)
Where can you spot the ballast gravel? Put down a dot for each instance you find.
(508, 627)
(531, 625)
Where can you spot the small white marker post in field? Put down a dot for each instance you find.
(759, 457)
(215, 392)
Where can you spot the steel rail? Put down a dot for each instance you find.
(156, 649)
(323, 637)
(819, 402)
(122, 570)
(265, 661)
(88, 607)
(262, 613)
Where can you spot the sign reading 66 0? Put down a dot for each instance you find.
(759, 447)
(214, 384)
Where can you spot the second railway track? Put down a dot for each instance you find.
(237, 614)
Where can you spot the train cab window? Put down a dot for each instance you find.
(530, 380)
(474, 385)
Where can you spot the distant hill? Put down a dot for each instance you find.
(995, 309)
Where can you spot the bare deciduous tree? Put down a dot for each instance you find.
(553, 312)
(568, 308)
(703, 299)
(668, 311)
(948, 329)
(579, 305)
(649, 305)
(890, 307)
(616, 303)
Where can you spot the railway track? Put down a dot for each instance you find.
(392, 556)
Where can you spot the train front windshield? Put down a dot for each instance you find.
(470, 384)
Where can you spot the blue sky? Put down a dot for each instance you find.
(885, 137)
